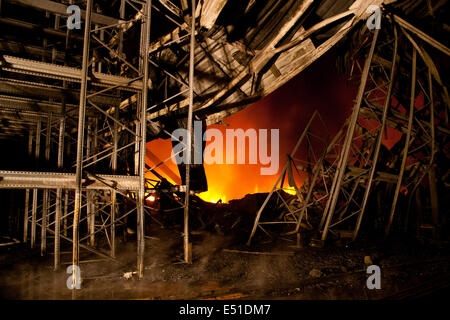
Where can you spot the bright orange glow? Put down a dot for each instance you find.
(156, 152)
(225, 181)
(290, 190)
(287, 109)
(148, 197)
(209, 196)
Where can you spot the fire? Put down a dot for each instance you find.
(288, 109)
(148, 197)
(225, 181)
(211, 196)
(290, 190)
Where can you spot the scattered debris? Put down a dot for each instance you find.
(131, 231)
(129, 275)
(152, 238)
(316, 243)
(9, 241)
(368, 260)
(315, 273)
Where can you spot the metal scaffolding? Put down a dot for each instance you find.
(362, 161)
(84, 103)
(109, 151)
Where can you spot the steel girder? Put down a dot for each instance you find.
(54, 180)
(53, 71)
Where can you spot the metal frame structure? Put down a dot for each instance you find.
(295, 170)
(361, 165)
(417, 157)
(82, 188)
(87, 201)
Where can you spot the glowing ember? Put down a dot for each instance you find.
(210, 196)
(290, 190)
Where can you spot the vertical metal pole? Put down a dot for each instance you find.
(61, 145)
(56, 25)
(187, 255)
(80, 143)
(33, 217)
(387, 103)
(102, 38)
(113, 192)
(35, 190)
(66, 210)
(45, 201)
(56, 248)
(93, 200)
(122, 16)
(115, 144)
(351, 129)
(89, 193)
(143, 129)
(44, 41)
(136, 142)
(408, 138)
(27, 192)
(57, 260)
